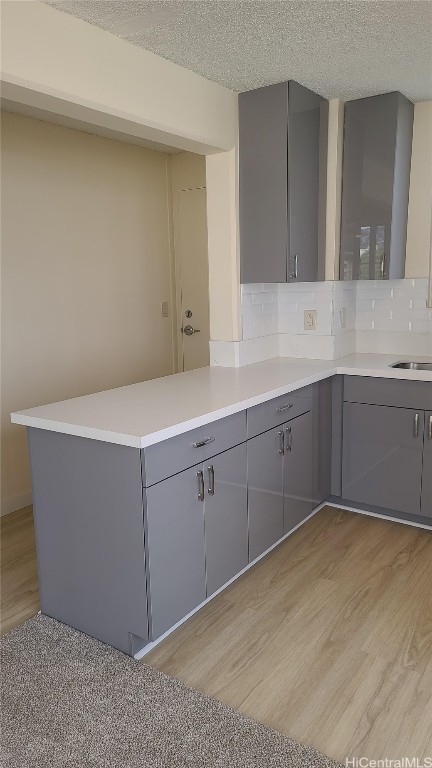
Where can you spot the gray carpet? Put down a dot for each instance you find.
(68, 700)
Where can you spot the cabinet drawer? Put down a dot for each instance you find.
(171, 456)
(396, 392)
(267, 415)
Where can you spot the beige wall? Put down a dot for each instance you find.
(85, 265)
(55, 62)
(334, 188)
(224, 250)
(418, 251)
(74, 72)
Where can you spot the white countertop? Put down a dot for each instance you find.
(151, 411)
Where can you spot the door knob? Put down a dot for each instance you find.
(189, 331)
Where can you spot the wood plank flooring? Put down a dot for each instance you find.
(328, 639)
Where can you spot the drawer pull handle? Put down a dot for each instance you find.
(204, 441)
(289, 433)
(284, 408)
(281, 443)
(416, 425)
(430, 428)
(200, 477)
(211, 486)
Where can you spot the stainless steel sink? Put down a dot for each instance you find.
(413, 366)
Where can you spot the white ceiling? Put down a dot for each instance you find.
(339, 48)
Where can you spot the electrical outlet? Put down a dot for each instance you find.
(310, 319)
(165, 309)
(342, 317)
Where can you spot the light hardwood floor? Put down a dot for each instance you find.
(328, 639)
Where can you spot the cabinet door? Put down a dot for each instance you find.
(225, 517)
(376, 165)
(298, 470)
(307, 162)
(175, 546)
(426, 499)
(382, 456)
(263, 184)
(265, 491)
(369, 148)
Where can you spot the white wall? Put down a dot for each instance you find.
(85, 265)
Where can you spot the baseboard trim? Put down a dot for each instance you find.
(15, 503)
(347, 508)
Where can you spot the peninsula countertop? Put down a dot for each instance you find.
(139, 415)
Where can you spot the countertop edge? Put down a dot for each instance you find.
(137, 441)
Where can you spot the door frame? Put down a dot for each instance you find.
(177, 275)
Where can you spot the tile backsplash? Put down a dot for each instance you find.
(393, 305)
(367, 316)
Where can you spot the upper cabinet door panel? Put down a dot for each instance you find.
(282, 179)
(376, 163)
(263, 184)
(307, 164)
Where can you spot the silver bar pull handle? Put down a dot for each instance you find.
(289, 433)
(383, 265)
(211, 477)
(204, 441)
(416, 425)
(281, 442)
(200, 477)
(284, 408)
(430, 428)
(294, 272)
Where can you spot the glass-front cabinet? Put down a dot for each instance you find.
(376, 167)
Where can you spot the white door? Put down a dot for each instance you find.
(192, 275)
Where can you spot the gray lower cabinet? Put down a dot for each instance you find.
(265, 491)
(426, 497)
(225, 517)
(298, 478)
(196, 535)
(176, 549)
(281, 482)
(87, 502)
(382, 456)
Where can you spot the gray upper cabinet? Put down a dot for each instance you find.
(375, 184)
(307, 173)
(426, 498)
(282, 172)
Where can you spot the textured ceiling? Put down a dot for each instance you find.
(337, 47)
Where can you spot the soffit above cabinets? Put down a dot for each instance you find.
(338, 48)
